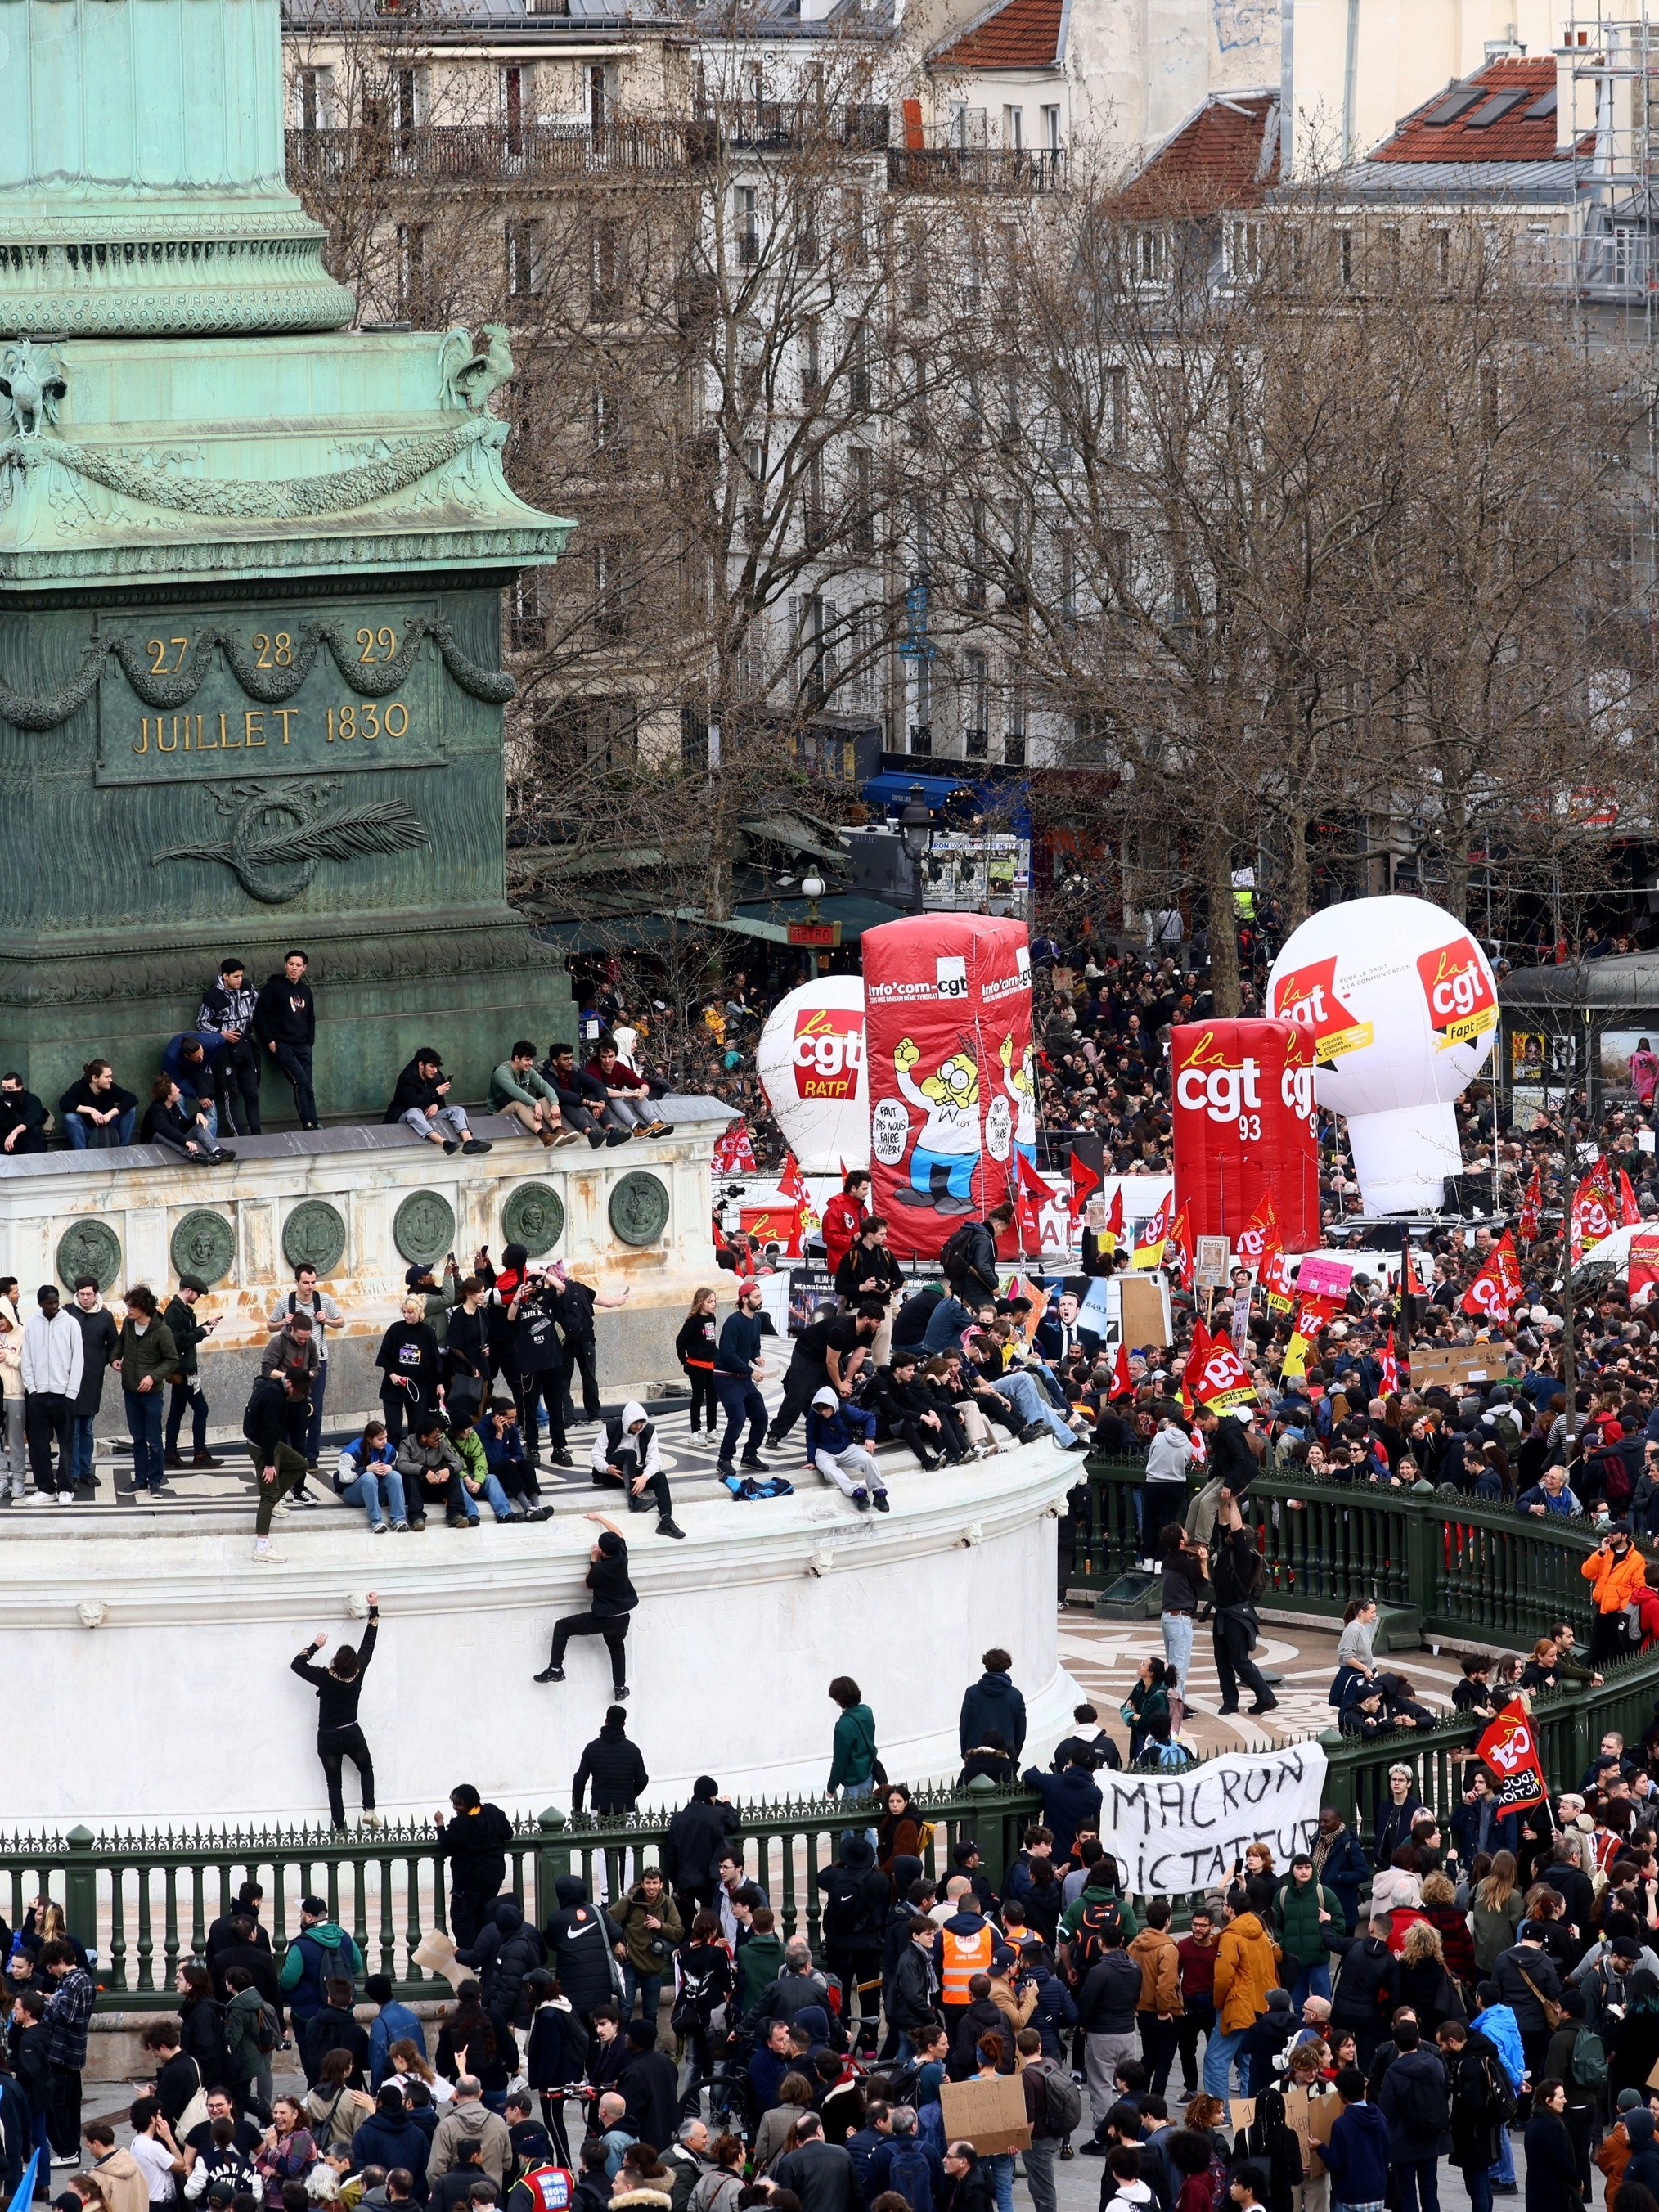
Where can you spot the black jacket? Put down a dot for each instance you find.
(409, 1349)
(414, 1093)
(615, 1768)
(821, 2176)
(1106, 2001)
(507, 1950)
(697, 1835)
(285, 1013)
(337, 1701)
(100, 1339)
(648, 2084)
(865, 1263)
(265, 1420)
(1366, 1985)
(475, 1844)
(914, 1998)
(856, 1898)
(1514, 1970)
(328, 2030)
(187, 1333)
(974, 1276)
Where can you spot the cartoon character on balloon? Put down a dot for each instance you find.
(947, 1151)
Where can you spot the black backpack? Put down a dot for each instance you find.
(1088, 1938)
(1421, 2102)
(953, 1264)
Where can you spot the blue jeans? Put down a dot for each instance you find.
(647, 1987)
(1310, 1982)
(145, 1422)
(1502, 2166)
(1417, 2181)
(1001, 2167)
(1031, 1405)
(83, 1134)
(1219, 2053)
(499, 1504)
(82, 1445)
(1177, 1629)
(740, 1401)
(365, 1491)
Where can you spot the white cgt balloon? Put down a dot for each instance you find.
(811, 1063)
(1402, 1005)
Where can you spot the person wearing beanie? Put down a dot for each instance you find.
(648, 2084)
(699, 1837)
(614, 1767)
(614, 1598)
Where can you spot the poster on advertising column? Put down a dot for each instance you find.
(1172, 1832)
(951, 1075)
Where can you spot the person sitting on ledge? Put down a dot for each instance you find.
(431, 1469)
(420, 1103)
(520, 1089)
(98, 1115)
(23, 1120)
(181, 1126)
(625, 1458)
(189, 1060)
(627, 1090)
(582, 1099)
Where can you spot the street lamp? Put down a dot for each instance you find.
(916, 826)
(812, 890)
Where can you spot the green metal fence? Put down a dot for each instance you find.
(145, 1903)
(1469, 1570)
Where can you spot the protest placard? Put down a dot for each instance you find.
(990, 2115)
(1174, 1832)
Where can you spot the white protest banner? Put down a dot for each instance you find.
(1170, 1832)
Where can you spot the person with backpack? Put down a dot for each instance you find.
(969, 1261)
(1482, 2107)
(251, 2036)
(857, 1899)
(1415, 2101)
(1107, 2002)
(320, 1951)
(907, 2164)
(1367, 1985)
(1527, 1981)
(1577, 2059)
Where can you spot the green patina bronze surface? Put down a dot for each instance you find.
(251, 681)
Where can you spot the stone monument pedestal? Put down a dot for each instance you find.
(362, 1204)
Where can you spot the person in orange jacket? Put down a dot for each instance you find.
(1615, 1571)
(1158, 2014)
(844, 1216)
(1246, 1968)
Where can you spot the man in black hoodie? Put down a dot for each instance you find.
(581, 1941)
(505, 1953)
(992, 1702)
(277, 1466)
(613, 1765)
(648, 2084)
(338, 1737)
(856, 1901)
(423, 1102)
(614, 1598)
(695, 1843)
(475, 1842)
(285, 1022)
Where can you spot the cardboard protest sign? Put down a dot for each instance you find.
(990, 2115)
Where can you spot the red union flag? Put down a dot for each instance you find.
(1643, 1267)
(1180, 1236)
(1594, 1209)
(1388, 1369)
(1496, 1290)
(1510, 1749)
(1217, 1377)
(1258, 1230)
(1462, 1007)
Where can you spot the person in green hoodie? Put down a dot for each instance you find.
(852, 1768)
(1302, 1914)
(760, 1959)
(321, 1951)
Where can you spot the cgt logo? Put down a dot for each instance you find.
(828, 1053)
(1461, 1002)
(1307, 996)
(1206, 1085)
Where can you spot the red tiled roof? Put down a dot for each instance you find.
(1214, 161)
(1510, 135)
(1021, 34)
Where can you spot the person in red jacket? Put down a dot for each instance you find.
(844, 1216)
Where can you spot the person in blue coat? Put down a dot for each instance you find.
(1356, 2157)
(1340, 1864)
(1071, 1801)
(994, 1703)
(1478, 1825)
(390, 2136)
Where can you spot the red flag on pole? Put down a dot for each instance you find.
(1532, 1206)
(1122, 1385)
(1388, 1369)
(1630, 1213)
(1510, 1749)
(1181, 1236)
(1084, 1183)
(1496, 1290)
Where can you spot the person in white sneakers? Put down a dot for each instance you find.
(13, 1471)
(54, 1356)
(338, 1686)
